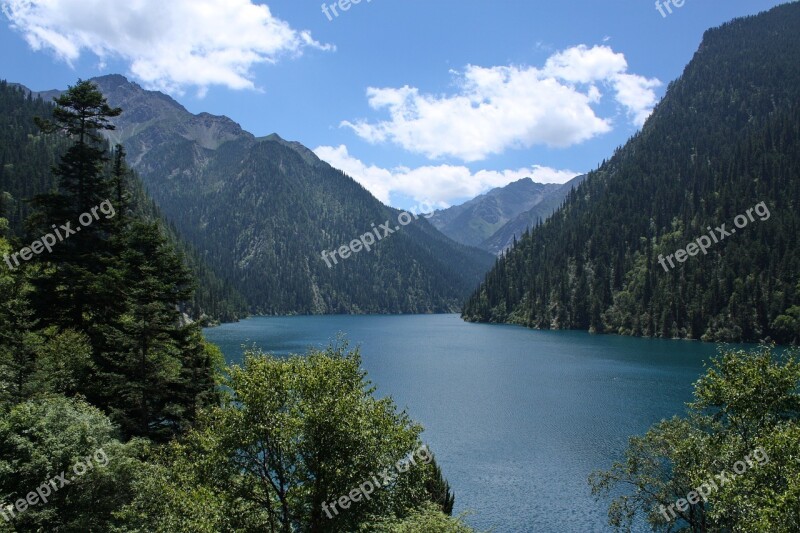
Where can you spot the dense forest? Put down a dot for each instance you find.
(725, 138)
(117, 416)
(26, 161)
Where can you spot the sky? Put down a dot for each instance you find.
(427, 103)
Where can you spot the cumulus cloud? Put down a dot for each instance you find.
(168, 44)
(437, 186)
(502, 107)
(637, 95)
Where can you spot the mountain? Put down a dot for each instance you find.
(27, 159)
(493, 220)
(478, 219)
(502, 239)
(261, 211)
(723, 144)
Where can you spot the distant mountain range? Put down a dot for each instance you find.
(260, 212)
(493, 220)
(724, 142)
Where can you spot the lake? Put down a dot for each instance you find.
(517, 418)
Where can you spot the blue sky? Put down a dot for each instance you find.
(426, 103)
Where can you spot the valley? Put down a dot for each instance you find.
(222, 309)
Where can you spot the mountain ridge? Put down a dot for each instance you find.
(477, 219)
(493, 220)
(26, 170)
(261, 210)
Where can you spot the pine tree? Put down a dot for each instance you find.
(81, 114)
(119, 282)
(154, 366)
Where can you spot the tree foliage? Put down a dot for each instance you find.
(428, 519)
(43, 438)
(746, 401)
(294, 434)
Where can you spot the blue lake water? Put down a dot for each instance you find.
(518, 418)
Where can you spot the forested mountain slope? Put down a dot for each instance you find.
(26, 161)
(262, 211)
(725, 138)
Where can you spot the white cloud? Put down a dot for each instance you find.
(502, 107)
(438, 185)
(580, 64)
(637, 95)
(169, 44)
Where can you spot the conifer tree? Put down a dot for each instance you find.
(119, 281)
(144, 359)
(81, 114)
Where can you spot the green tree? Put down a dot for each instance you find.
(294, 436)
(81, 114)
(18, 342)
(156, 369)
(64, 363)
(428, 519)
(45, 438)
(439, 490)
(746, 402)
(119, 282)
(121, 186)
(34, 361)
(787, 325)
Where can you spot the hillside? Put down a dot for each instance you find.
(26, 161)
(725, 138)
(262, 211)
